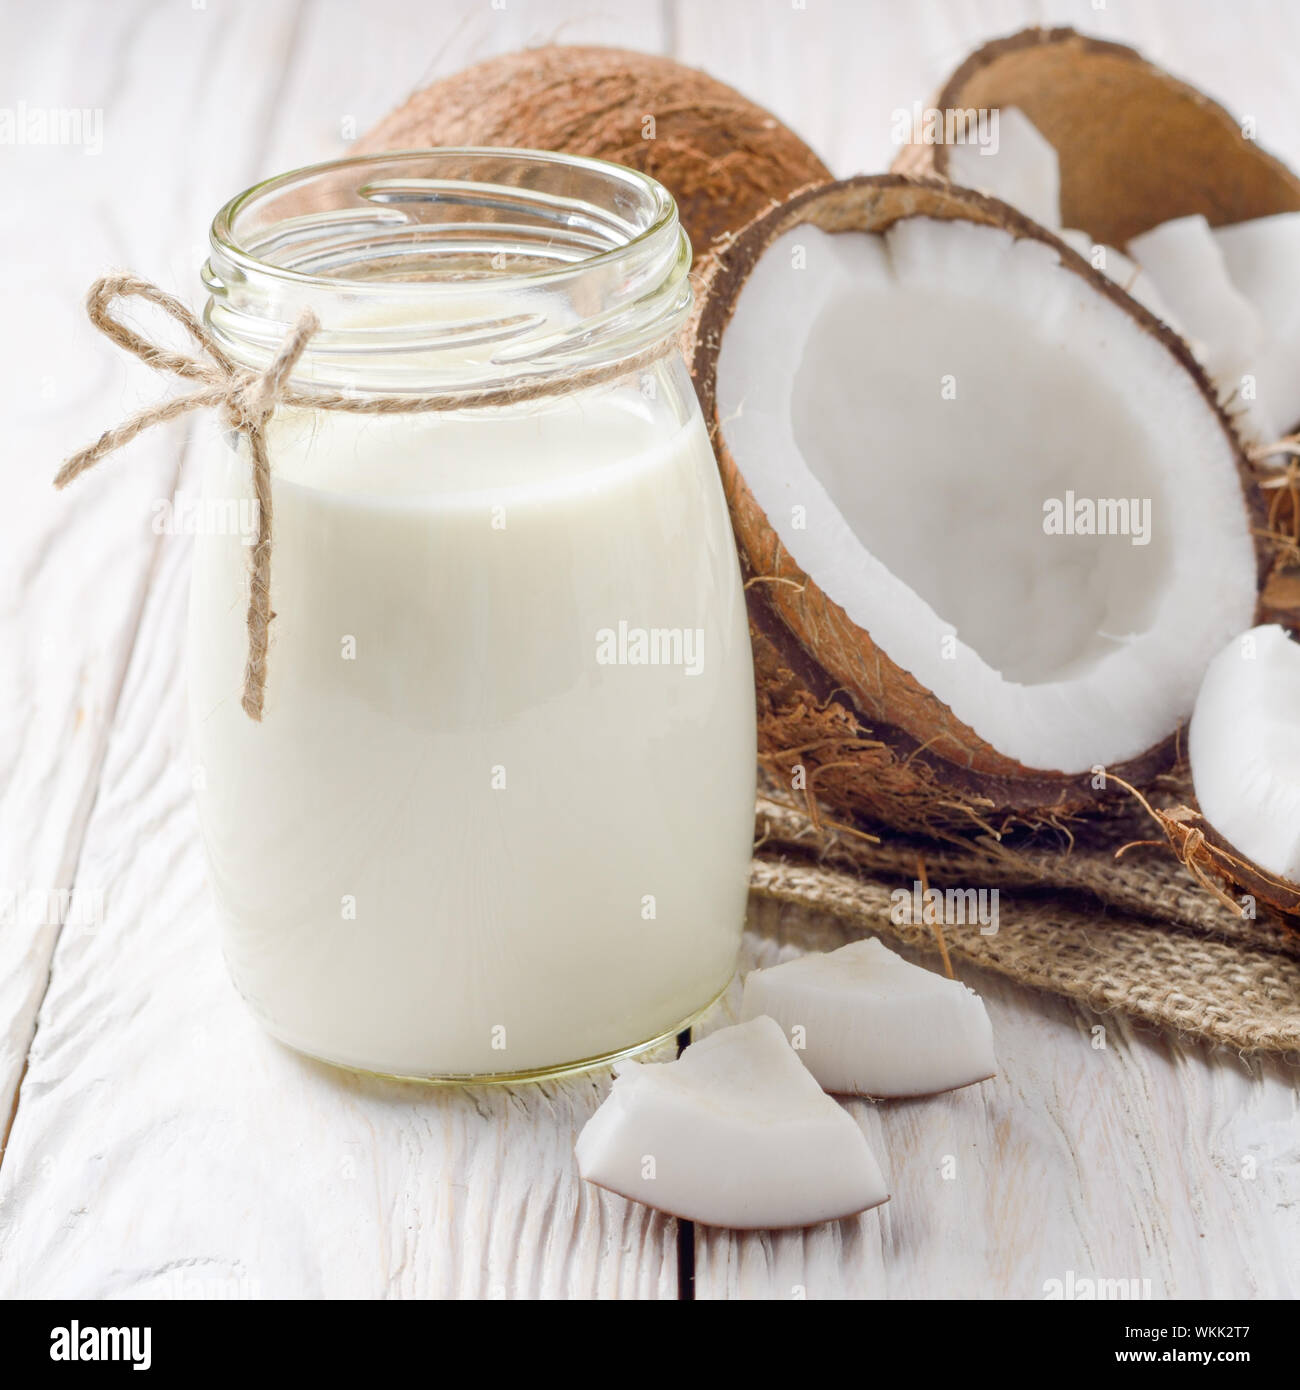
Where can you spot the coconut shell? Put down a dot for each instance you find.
(723, 158)
(1223, 870)
(873, 740)
(1136, 146)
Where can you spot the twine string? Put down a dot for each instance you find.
(249, 398)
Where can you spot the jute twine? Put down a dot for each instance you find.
(1136, 935)
(249, 398)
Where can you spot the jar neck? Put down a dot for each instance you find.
(449, 269)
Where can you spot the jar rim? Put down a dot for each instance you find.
(455, 264)
(223, 237)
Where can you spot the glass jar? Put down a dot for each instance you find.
(496, 818)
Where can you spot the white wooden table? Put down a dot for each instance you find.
(156, 1142)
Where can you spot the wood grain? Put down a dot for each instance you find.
(74, 567)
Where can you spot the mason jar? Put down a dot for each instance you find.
(495, 818)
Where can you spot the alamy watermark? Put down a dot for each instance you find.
(73, 1342)
(184, 515)
(24, 906)
(948, 907)
(1098, 516)
(954, 125)
(625, 645)
(53, 125)
(1082, 1288)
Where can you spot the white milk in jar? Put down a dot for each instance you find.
(496, 818)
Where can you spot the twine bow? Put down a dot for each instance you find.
(249, 399)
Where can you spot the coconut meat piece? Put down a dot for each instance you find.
(1263, 262)
(908, 409)
(1243, 747)
(866, 1022)
(734, 1133)
(1125, 272)
(1188, 268)
(1020, 167)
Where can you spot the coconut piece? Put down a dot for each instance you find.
(1241, 841)
(1243, 747)
(866, 1022)
(904, 379)
(723, 158)
(1127, 274)
(1137, 147)
(1021, 168)
(734, 1133)
(1185, 263)
(1263, 263)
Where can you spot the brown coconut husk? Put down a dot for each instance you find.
(1221, 869)
(1136, 145)
(723, 158)
(872, 740)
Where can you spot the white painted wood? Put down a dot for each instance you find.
(160, 1143)
(338, 87)
(73, 567)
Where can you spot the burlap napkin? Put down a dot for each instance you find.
(1135, 934)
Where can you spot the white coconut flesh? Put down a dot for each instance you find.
(734, 1133)
(1263, 262)
(1243, 747)
(1188, 268)
(1233, 293)
(1020, 167)
(908, 410)
(866, 1022)
(1125, 272)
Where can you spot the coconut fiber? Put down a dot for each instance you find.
(1133, 933)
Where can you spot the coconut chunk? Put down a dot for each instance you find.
(1021, 168)
(1263, 261)
(866, 1022)
(1244, 749)
(1188, 268)
(1124, 271)
(734, 1133)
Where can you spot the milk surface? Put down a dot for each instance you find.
(497, 817)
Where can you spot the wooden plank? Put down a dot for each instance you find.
(1111, 1154)
(73, 567)
(338, 88)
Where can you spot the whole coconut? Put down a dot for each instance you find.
(723, 158)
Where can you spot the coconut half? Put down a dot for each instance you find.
(1137, 147)
(734, 1133)
(922, 404)
(866, 1022)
